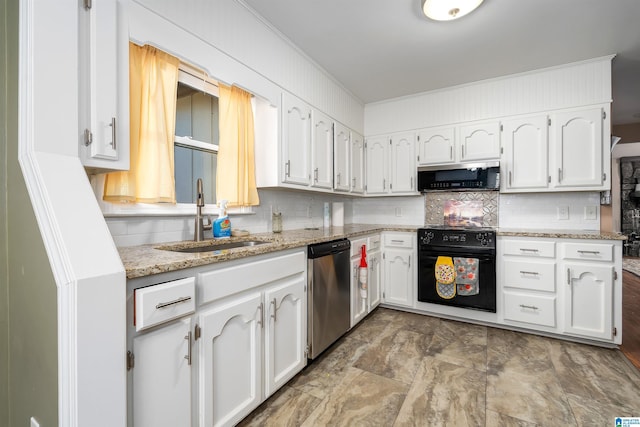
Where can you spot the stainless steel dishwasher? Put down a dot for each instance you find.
(329, 294)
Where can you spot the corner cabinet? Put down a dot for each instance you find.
(391, 165)
(563, 151)
(104, 86)
(569, 286)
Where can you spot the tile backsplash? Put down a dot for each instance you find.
(435, 201)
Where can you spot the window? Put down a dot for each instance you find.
(196, 135)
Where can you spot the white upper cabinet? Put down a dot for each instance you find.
(391, 164)
(377, 156)
(104, 106)
(524, 162)
(296, 140)
(565, 151)
(456, 144)
(342, 147)
(436, 146)
(578, 148)
(322, 150)
(479, 141)
(357, 163)
(403, 163)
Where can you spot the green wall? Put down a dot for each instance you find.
(4, 304)
(28, 293)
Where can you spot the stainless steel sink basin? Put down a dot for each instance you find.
(217, 246)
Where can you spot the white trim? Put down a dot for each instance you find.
(49, 230)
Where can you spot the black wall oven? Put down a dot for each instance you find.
(457, 267)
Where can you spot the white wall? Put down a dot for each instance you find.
(572, 85)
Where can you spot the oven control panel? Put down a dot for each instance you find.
(467, 238)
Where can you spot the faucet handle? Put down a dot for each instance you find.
(200, 193)
(207, 225)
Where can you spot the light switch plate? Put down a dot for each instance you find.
(563, 212)
(590, 212)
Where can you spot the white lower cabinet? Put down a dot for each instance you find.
(565, 286)
(162, 376)
(245, 338)
(361, 306)
(399, 269)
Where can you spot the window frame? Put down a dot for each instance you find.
(197, 79)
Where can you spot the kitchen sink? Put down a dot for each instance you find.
(213, 247)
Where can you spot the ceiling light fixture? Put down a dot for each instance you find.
(447, 10)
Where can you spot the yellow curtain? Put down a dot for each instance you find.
(235, 176)
(153, 81)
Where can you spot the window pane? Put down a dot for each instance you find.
(196, 118)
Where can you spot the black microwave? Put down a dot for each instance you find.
(477, 176)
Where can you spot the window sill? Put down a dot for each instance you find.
(179, 209)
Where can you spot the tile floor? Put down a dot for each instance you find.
(401, 369)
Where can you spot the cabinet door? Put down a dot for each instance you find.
(359, 307)
(589, 300)
(480, 141)
(357, 163)
(436, 146)
(162, 376)
(286, 334)
(398, 277)
(578, 148)
(377, 150)
(322, 151)
(525, 154)
(342, 147)
(296, 140)
(403, 163)
(230, 374)
(375, 279)
(106, 143)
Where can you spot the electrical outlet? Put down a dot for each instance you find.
(563, 212)
(590, 212)
(34, 423)
(398, 211)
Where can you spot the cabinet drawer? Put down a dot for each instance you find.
(375, 242)
(356, 244)
(529, 248)
(588, 251)
(222, 282)
(534, 275)
(160, 303)
(398, 240)
(534, 309)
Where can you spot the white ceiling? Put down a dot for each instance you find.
(381, 49)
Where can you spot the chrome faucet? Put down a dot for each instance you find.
(198, 234)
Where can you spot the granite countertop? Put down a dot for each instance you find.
(145, 260)
(561, 234)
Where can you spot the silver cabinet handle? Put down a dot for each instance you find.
(559, 175)
(529, 250)
(261, 319)
(397, 241)
(411, 187)
(462, 151)
(188, 356)
(338, 176)
(287, 168)
(384, 183)
(509, 178)
(354, 183)
(532, 307)
(535, 273)
(174, 302)
(409, 261)
(569, 276)
(113, 132)
(589, 252)
(451, 152)
(273, 314)
(315, 175)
